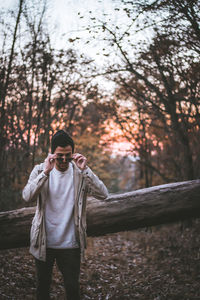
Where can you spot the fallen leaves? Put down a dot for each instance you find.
(158, 264)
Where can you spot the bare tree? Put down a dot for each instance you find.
(160, 76)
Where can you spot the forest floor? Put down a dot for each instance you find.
(159, 263)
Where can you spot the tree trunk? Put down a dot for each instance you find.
(3, 94)
(141, 208)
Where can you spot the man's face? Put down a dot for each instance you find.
(62, 156)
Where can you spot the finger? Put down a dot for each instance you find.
(81, 159)
(52, 155)
(82, 163)
(76, 155)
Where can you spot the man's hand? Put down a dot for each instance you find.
(49, 163)
(80, 161)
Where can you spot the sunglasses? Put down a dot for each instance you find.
(61, 158)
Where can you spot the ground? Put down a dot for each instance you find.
(153, 264)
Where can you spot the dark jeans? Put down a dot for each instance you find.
(68, 262)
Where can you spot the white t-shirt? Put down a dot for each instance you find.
(59, 210)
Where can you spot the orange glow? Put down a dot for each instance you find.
(115, 140)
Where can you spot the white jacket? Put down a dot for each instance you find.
(85, 183)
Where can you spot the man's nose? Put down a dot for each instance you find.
(64, 158)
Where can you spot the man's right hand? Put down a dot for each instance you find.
(49, 163)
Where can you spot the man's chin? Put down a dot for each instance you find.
(63, 167)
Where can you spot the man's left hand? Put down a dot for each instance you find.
(80, 161)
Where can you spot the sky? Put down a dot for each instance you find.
(65, 12)
(69, 17)
(72, 16)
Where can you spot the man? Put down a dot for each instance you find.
(58, 233)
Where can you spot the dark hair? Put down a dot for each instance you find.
(62, 139)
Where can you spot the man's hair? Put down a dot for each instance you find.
(62, 139)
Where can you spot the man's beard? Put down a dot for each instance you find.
(63, 166)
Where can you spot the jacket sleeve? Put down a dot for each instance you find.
(96, 187)
(34, 184)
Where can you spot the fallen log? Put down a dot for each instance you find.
(141, 208)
